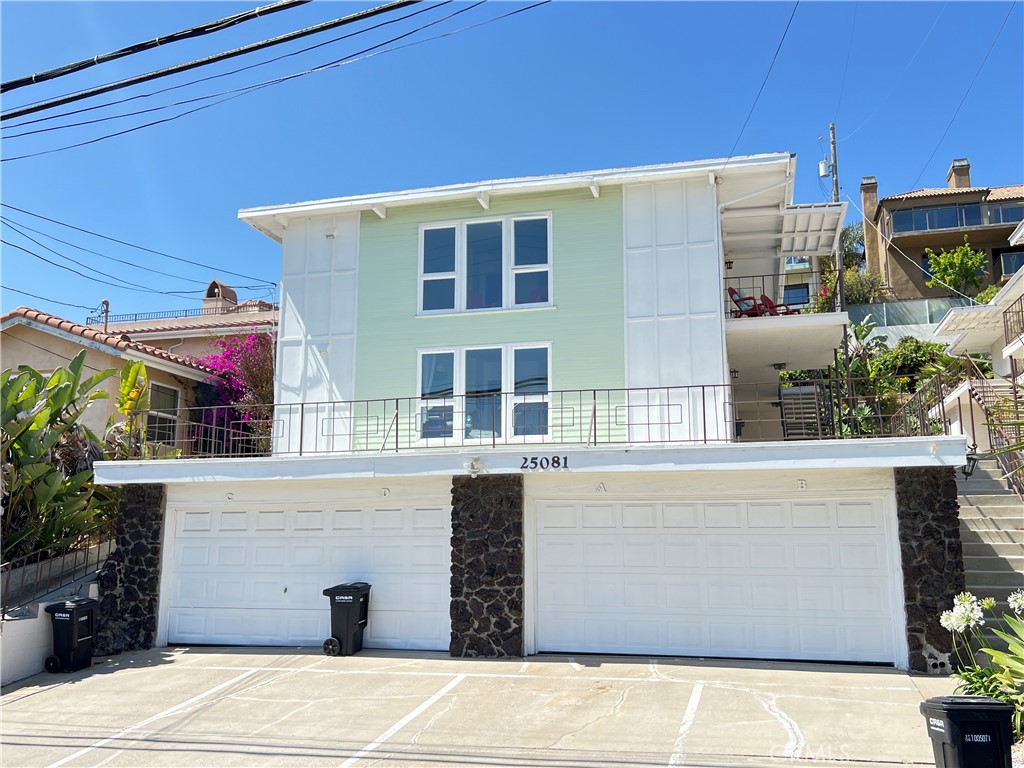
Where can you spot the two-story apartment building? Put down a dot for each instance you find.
(898, 228)
(531, 413)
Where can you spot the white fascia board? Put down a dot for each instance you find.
(880, 453)
(92, 344)
(1017, 236)
(263, 218)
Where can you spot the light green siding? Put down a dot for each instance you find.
(585, 327)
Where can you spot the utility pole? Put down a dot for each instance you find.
(840, 267)
(106, 314)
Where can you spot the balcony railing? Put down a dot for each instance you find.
(961, 216)
(234, 309)
(795, 289)
(812, 409)
(1013, 321)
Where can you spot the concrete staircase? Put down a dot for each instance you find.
(992, 532)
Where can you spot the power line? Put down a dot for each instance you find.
(50, 351)
(185, 34)
(68, 269)
(889, 242)
(763, 83)
(898, 81)
(132, 245)
(68, 98)
(846, 67)
(238, 92)
(44, 298)
(964, 99)
(200, 80)
(11, 222)
(350, 59)
(124, 284)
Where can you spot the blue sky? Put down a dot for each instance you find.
(567, 86)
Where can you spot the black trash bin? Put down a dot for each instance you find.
(73, 625)
(969, 731)
(350, 604)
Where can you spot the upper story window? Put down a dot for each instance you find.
(956, 216)
(485, 264)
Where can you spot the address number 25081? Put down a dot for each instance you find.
(533, 463)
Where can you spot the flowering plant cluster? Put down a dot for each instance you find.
(243, 395)
(1002, 676)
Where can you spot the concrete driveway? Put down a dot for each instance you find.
(296, 707)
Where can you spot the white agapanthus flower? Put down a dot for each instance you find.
(966, 614)
(1016, 601)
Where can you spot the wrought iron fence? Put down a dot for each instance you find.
(811, 409)
(27, 578)
(234, 309)
(795, 289)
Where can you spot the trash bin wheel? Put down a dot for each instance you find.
(332, 647)
(52, 663)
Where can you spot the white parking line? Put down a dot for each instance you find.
(684, 727)
(165, 713)
(402, 723)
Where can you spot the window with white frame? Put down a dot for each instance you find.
(484, 393)
(162, 419)
(501, 263)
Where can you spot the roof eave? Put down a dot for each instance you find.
(272, 220)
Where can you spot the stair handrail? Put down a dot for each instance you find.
(1006, 435)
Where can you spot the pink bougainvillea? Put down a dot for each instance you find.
(244, 367)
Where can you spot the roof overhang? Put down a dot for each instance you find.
(273, 220)
(978, 327)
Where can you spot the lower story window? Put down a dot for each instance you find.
(484, 393)
(162, 419)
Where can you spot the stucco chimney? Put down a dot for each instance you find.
(869, 204)
(959, 175)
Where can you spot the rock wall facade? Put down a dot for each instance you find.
(129, 583)
(932, 556)
(487, 566)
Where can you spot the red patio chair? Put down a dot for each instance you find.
(769, 307)
(746, 306)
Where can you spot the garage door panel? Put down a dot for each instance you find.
(804, 579)
(257, 576)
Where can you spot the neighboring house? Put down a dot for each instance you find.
(46, 342)
(529, 413)
(898, 229)
(190, 332)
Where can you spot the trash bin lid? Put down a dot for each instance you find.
(950, 703)
(348, 588)
(72, 604)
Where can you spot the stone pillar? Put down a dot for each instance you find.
(932, 555)
(129, 582)
(487, 566)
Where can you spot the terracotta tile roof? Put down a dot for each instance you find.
(1012, 192)
(120, 343)
(142, 330)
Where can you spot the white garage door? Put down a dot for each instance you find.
(781, 580)
(256, 576)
